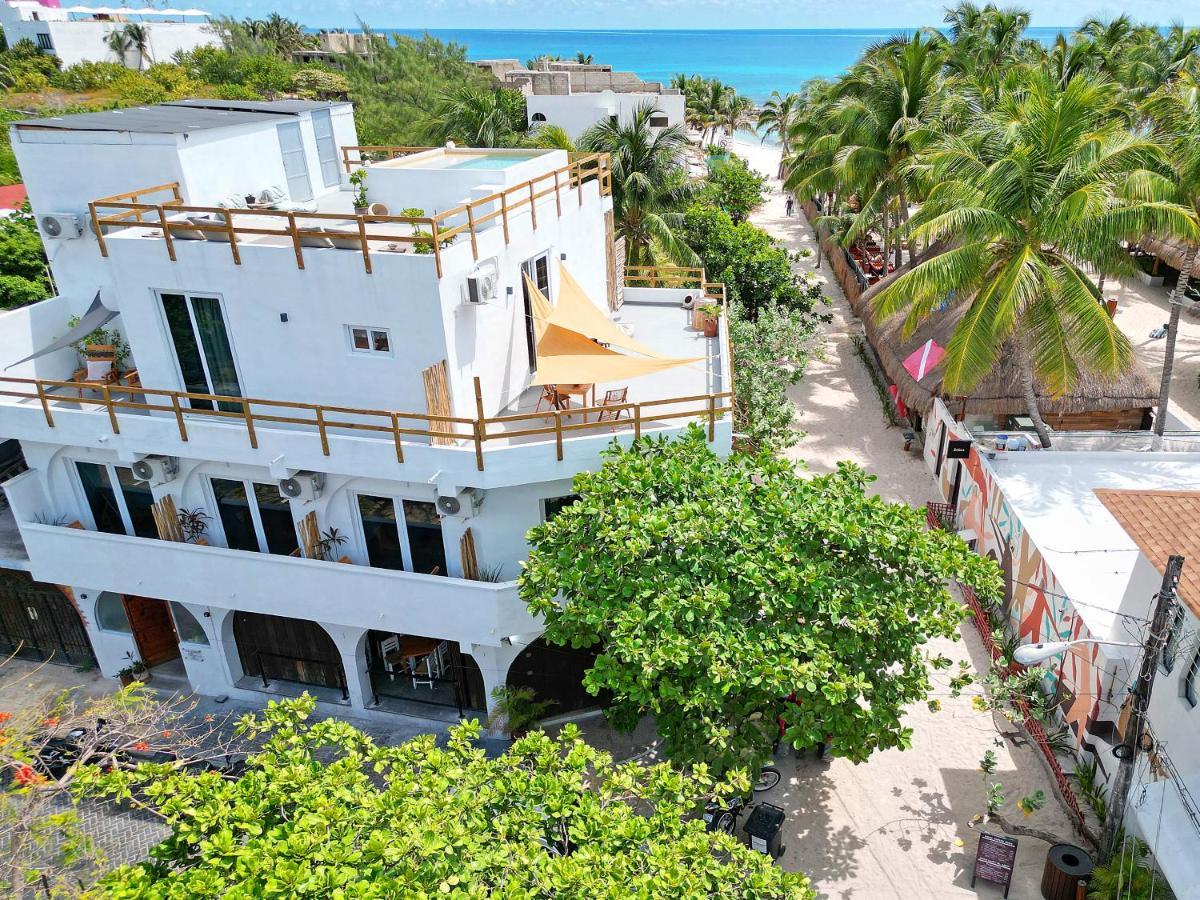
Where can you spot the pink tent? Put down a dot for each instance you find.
(923, 360)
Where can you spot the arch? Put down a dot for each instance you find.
(187, 626)
(538, 117)
(279, 648)
(555, 673)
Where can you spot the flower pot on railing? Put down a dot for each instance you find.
(705, 318)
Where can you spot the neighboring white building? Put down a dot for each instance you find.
(80, 34)
(1082, 533)
(575, 96)
(348, 347)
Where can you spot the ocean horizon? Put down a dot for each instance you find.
(755, 61)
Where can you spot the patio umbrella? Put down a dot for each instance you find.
(924, 359)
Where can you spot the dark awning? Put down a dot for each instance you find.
(97, 316)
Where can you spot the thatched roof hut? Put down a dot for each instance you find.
(1172, 251)
(1092, 403)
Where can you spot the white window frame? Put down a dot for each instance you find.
(401, 526)
(166, 326)
(371, 331)
(260, 533)
(118, 494)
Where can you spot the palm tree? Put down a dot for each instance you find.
(650, 188)
(139, 40)
(549, 137)
(583, 58)
(477, 117)
(1048, 182)
(777, 116)
(118, 42)
(1175, 111)
(734, 111)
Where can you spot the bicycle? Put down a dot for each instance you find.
(723, 818)
(768, 777)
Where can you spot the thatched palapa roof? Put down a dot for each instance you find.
(1172, 251)
(1000, 392)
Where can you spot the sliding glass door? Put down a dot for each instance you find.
(417, 547)
(203, 349)
(118, 502)
(254, 517)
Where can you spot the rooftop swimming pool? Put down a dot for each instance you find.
(440, 159)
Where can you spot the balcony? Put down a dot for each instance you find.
(160, 212)
(523, 444)
(403, 602)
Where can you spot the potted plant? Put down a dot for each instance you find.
(194, 525)
(137, 670)
(329, 542)
(705, 319)
(358, 178)
(517, 709)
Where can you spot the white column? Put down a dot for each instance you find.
(493, 664)
(351, 643)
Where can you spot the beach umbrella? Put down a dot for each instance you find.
(923, 360)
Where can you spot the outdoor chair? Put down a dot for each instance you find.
(613, 398)
(552, 398)
(100, 367)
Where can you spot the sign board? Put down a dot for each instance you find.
(958, 450)
(995, 859)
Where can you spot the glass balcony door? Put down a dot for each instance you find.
(415, 547)
(203, 349)
(118, 502)
(254, 517)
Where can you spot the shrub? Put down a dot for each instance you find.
(16, 291)
(320, 84)
(733, 187)
(89, 76)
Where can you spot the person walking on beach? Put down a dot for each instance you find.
(791, 206)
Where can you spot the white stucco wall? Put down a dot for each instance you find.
(576, 113)
(75, 42)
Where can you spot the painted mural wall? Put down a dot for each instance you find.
(1035, 606)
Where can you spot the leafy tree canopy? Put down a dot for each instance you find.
(755, 268)
(23, 278)
(734, 187)
(323, 811)
(715, 587)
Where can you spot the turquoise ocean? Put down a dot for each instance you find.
(755, 62)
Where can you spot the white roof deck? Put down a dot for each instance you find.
(1053, 497)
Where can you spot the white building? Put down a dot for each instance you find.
(400, 414)
(1082, 533)
(575, 96)
(80, 34)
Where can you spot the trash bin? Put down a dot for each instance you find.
(1066, 866)
(765, 827)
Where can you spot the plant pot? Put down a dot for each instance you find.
(361, 210)
(140, 677)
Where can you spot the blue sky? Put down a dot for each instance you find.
(626, 14)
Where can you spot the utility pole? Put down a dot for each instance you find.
(1126, 752)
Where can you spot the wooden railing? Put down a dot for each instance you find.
(369, 153)
(391, 425)
(150, 209)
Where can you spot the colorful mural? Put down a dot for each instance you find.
(1036, 607)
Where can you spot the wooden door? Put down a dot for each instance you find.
(153, 629)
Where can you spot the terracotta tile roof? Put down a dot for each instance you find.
(1162, 523)
(12, 196)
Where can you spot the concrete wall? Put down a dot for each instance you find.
(75, 42)
(28, 329)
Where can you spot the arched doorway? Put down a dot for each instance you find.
(432, 671)
(280, 649)
(37, 621)
(555, 673)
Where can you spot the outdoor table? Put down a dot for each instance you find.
(578, 389)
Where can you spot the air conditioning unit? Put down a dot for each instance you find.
(303, 486)
(466, 503)
(65, 226)
(481, 287)
(155, 469)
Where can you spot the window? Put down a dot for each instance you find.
(118, 502)
(658, 122)
(1189, 681)
(538, 117)
(552, 506)
(187, 627)
(538, 270)
(254, 517)
(44, 42)
(369, 340)
(417, 547)
(1170, 651)
(110, 613)
(203, 349)
(327, 153)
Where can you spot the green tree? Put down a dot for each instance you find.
(734, 187)
(1048, 182)
(650, 187)
(754, 267)
(324, 811)
(1175, 111)
(23, 273)
(715, 587)
(119, 43)
(478, 117)
(776, 117)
